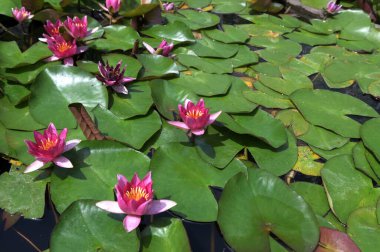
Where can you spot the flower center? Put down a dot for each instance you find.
(194, 113)
(48, 144)
(136, 193)
(63, 47)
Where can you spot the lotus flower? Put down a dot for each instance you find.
(113, 5)
(195, 117)
(332, 7)
(163, 49)
(21, 14)
(76, 27)
(63, 49)
(49, 148)
(53, 29)
(168, 6)
(135, 199)
(113, 77)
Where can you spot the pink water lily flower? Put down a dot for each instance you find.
(53, 29)
(113, 77)
(49, 147)
(163, 49)
(63, 49)
(168, 6)
(195, 117)
(113, 5)
(76, 27)
(135, 199)
(332, 7)
(21, 14)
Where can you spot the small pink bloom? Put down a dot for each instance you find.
(63, 49)
(195, 117)
(168, 6)
(113, 5)
(21, 14)
(49, 148)
(135, 199)
(332, 7)
(113, 77)
(76, 27)
(53, 29)
(163, 49)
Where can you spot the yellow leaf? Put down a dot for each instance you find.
(306, 163)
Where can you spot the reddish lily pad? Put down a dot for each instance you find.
(333, 240)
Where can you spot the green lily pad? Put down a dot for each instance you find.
(23, 193)
(361, 163)
(193, 19)
(288, 84)
(169, 134)
(156, 66)
(312, 39)
(328, 109)
(85, 227)
(112, 41)
(179, 174)
(197, 3)
(176, 31)
(208, 65)
(216, 147)
(15, 93)
(277, 161)
(7, 5)
(57, 87)
(267, 100)
(253, 206)
(138, 10)
(3, 143)
(96, 164)
(134, 131)
(327, 154)
(207, 47)
(165, 234)
(293, 119)
(137, 102)
(343, 181)
(364, 229)
(203, 83)
(314, 195)
(230, 34)
(371, 136)
(227, 6)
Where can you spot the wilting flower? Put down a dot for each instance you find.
(53, 29)
(63, 49)
(163, 49)
(135, 199)
(113, 77)
(168, 6)
(21, 14)
(76, 27)
(49, 148)
(333, 8)
(195, 117)
(113, 5)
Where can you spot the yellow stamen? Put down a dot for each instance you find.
(194, 113)
(63, 47)
(137, 193)
(48, 144)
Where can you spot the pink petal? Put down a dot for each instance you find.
(52, 58)
(180, 125)
(71, 144)
(131, 222)
(128, 79)
(110, 206)
(82, 49)
(121, 181)
(158, 206)
(198, 132)
(135, 179)
(213, 117)
(63, 162)
(120, 88)
(34, 166)
(68, 61)
(147, 179)
(149, 48)
(187, 102)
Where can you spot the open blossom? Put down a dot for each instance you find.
(333, 8)
(163, 49)
(168, 6)
(113, 5)
(52, 29)
(63, 49)
(135, 199)
(21, 14)
(113, 77)
(76, 27)
(49, 147)
(195, 117)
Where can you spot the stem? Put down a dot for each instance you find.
(27, 240)
(8, 31)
